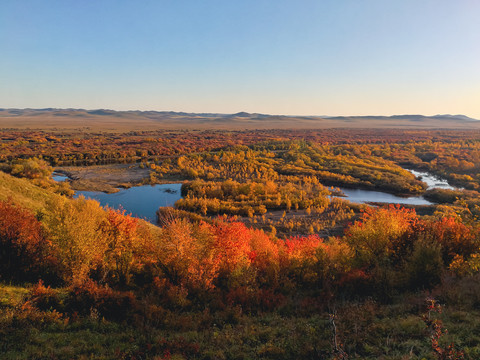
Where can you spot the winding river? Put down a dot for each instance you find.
(432, 181)
(143, 201)
(364, 196)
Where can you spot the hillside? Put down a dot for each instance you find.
(110, 120)
(23, 192)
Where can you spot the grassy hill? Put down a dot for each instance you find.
(24, 193)
(116, 121)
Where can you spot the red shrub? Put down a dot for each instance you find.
(110, 304)
(455, 237)
(232, 245)
(356, 281)
(23, 248)
(44, 297)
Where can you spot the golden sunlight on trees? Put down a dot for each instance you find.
(24, 251)
(185, 254)
(73, 228)
(32, 169)
(119, 233)
(374, 236)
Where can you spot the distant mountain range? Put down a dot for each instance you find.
(104, 119)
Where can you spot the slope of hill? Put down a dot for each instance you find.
(23, 192)
(110, 120)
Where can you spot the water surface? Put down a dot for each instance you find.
(365, 196)
(144, 201)
(59, 177)
(141, 201)
(433, 182)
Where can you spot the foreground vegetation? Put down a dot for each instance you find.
(117, 286)
(256, 261)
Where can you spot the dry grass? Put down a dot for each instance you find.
(23, 192)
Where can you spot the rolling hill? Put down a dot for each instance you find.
(110, 120)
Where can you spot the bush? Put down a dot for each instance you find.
(44, 297)
(31, 169)
(425, 266)
(23, 248)
(72, 226)
(90, 297)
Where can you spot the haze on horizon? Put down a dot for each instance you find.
(346, 57)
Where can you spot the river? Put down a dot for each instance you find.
(432, 181)
(365, 196)
(143, 201)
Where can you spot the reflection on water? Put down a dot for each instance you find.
(59, 177)
(364, 196)
(141, 201)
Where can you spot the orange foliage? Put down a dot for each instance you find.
(299, 259)
(120, 233)
(454, 236)
(90, 297)
(299, 248)
(184, 253)
(232, 245)
(264, 256)
(23, 248)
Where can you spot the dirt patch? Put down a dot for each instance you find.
(106, 178)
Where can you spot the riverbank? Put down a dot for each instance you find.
(104, 178)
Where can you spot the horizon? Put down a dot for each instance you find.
(368, 59)
(239, 112)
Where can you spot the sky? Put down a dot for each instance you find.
(308, 57)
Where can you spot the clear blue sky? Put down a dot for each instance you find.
(322, 57)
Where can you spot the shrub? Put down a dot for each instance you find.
(23, 248)
(454, 237)
(44, 297)
(120, 233)
(72, 227)
(425, 266)
(89, 297)
(31, 169)
(374, 238)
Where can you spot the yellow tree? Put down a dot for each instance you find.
(72, 227)
(119, 231)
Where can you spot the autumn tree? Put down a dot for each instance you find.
(374, 237)
(119, 232)
(73, 228)
(32, 169)
(183, 253)
(23, 247)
